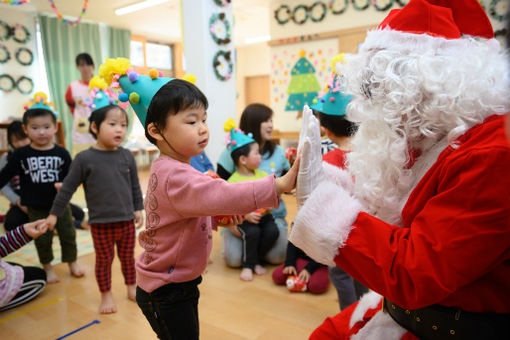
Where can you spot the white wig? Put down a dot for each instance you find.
(411, 90)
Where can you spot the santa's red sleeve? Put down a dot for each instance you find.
(69, 99)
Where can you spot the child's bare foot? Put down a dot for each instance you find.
(246, 274)
(76, 269)
(107, 303)
(259, 270)
(51, 276)
(131, 290)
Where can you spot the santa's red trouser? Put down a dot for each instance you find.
(337, 327)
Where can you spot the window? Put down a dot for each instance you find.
(146, 55)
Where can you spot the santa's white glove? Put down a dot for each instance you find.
(307, 113)
(310, 167)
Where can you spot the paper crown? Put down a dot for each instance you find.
(40, 101)
(449, 19)
(137, 89)
(236, 137)
(333, 101)
(99, 94)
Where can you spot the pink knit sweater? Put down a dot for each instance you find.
(179, 204)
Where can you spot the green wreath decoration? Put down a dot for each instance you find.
(338, 6)
(402, 3)
(5, 55)
(277, 14)
(25, 85)
(222, 3)
(7, 83)
(360, 5)
(324, 8)
(295, 12)
(219, 67)
(24, 56)
(20, 34)
(498, 9)
(5, 31)
(383, 5)
(215, 18)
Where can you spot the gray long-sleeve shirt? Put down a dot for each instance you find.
(110, 181)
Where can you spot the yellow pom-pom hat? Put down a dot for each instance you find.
(40, 101)
(137, 89)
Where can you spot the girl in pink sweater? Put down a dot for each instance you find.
(179, 204)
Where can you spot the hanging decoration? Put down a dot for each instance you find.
(222, 65)
(220, 29)
(20, 33)
(25, 85)
(402, 3)
(16, 2)
(338, 6)
(498, 9)
(383, 5)
(5, 31)
(5, 55)
(7, 83)
(318, 11)
(300, 14)
(501, 35)
(24, 56)
(360, 5)
(282, 14)
(222, 3)
(70, 22)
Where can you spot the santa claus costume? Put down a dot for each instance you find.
(426, 224)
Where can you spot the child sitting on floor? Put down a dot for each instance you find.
(112, 190)
(259, 230)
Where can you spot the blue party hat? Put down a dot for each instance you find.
(40, 101)
(236, 138)
(334, 102)
(99, 94)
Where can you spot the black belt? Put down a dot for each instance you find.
(439, 322)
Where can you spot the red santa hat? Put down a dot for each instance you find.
(425, 25)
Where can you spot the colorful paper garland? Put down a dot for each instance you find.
(335, 9)
(215, 18)
(22, 82)
(20, 33)
(14, 2)
(322, 14)
(226, 55)
(7, 83)
(70, 22)
(5, 55)
(24, 56)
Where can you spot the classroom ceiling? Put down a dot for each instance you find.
(162, 22)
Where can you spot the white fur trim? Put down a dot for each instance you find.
(421, 43)
(324, 222)
(380, 327)
(340, 177)
(368, 301)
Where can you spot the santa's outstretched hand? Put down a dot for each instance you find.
(310, 169)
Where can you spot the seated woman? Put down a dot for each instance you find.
(257, 119)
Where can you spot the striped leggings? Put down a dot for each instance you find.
(34, 281)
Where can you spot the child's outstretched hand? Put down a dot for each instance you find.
(289, 270)
(36, 229)
(233, 221)
(288, 181)
(51, 220)
(138, 219)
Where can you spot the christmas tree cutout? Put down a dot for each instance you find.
(303, 87)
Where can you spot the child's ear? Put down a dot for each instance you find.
(153, 131)
(24, 129)
(242, 160)
(93, 127)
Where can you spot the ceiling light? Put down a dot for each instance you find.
(138, 6)
(255, 40)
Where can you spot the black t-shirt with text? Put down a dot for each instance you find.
(38, 171)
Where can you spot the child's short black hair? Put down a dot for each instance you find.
(242, 151)
(33, 113)
(84, 57)
(99, 115)
(15, 129)
(338, 125)
(174, 96)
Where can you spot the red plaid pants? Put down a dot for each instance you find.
(105, 237)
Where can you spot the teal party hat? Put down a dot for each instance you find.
(99, 94)
(40, 101)
(334, 102)
(236, 138)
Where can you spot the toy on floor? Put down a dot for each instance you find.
(295, 284)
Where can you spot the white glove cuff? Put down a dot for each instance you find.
(324, 222)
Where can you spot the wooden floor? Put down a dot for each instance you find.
(228, 307)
